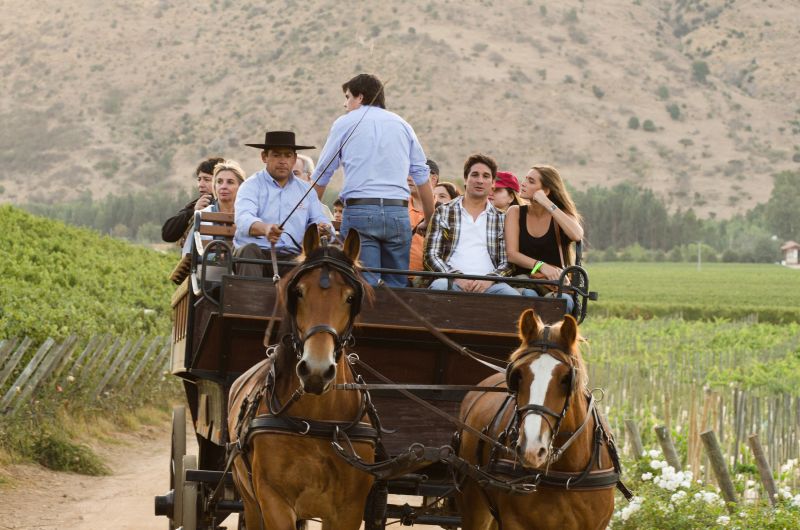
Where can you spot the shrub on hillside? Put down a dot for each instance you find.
(633, 123)
(700, 71)
(648, 126)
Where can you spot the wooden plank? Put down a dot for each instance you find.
(180, 292)
(143, 361)
(30, 368)
(125, 364)
(6, 345)
(217, 217)
(99, 360)
(216, 230)
(40, 375)
(59, 369)
(64, 348)
(11, 364)
(112, 368)
(447, 310)
(92, 345)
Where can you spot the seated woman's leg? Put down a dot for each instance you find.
(565, 296)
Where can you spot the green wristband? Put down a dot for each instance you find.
(536, 268)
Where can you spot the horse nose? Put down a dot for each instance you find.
(533, 453)
(316, 377)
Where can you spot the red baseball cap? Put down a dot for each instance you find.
(506, 179)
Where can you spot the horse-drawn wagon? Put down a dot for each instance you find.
(400, 362)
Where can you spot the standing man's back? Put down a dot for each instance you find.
(378, 151)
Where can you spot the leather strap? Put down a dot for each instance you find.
(376, 202)
(360, 432)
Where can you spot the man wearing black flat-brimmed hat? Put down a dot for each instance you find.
(267, 198)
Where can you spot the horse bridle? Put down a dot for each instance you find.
(542, 347)
(326, 262)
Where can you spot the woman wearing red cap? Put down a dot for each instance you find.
(539, 235)
(506, 188)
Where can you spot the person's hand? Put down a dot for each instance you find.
(465, 285)
(421, 228)
(202, 202)
(273, 233)
(325, 229)
(481, 285)
(541, 197)
(550, 272)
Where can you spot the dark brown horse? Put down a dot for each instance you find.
(554, 440)
(285, 410)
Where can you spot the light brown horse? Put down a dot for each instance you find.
(546, 406)
(295, 473)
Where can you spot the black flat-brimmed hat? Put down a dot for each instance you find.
(274, 139)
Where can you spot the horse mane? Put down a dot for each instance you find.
(570, 356)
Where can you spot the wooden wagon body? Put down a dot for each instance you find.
(218, 333)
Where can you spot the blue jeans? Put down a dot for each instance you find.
(385, 239)
(565, 296)
(440, 284)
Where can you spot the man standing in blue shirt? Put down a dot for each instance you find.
(380, 153)
(267, 198)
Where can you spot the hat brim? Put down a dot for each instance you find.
(273, 146)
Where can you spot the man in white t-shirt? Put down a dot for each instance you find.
(466, 234)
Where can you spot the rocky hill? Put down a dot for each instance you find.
(696, 99)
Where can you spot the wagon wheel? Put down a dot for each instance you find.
(189, 497)
(176, 464)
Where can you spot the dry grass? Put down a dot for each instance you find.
(155, 88)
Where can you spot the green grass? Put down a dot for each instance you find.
(57, 280)
(718, 290)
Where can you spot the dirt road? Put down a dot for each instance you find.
(46, 500)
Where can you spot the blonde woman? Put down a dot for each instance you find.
(539, 236)
(228, 175)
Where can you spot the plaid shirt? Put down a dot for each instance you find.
(444, 232)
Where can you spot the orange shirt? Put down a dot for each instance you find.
(417, 240)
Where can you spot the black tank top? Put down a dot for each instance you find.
(543, 248)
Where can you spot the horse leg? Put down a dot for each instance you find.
(474, 509)
(277, 514)
(344, 521)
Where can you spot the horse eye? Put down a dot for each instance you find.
(350, 299)
(298, 293)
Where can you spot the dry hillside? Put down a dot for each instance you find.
(118, 95)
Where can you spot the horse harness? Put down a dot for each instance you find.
(591, 478)
(249, 423)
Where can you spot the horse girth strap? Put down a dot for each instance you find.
(594, 480)
(359, 432)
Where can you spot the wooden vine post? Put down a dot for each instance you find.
(719, 466)
(764, 470)
(667, 447)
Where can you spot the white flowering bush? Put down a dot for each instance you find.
(670, 499)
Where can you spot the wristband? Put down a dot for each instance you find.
(536, 268)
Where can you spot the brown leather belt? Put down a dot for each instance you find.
(376, 202)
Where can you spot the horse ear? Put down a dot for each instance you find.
(569, 331)
(310, 239)
(352, 245)
(529, 326)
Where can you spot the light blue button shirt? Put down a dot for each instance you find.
(378, 158)
(261, 198)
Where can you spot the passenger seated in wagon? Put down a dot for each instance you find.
(227, 177)
(466, 234)
(539, 236)
(175, 227)
(266, 199)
